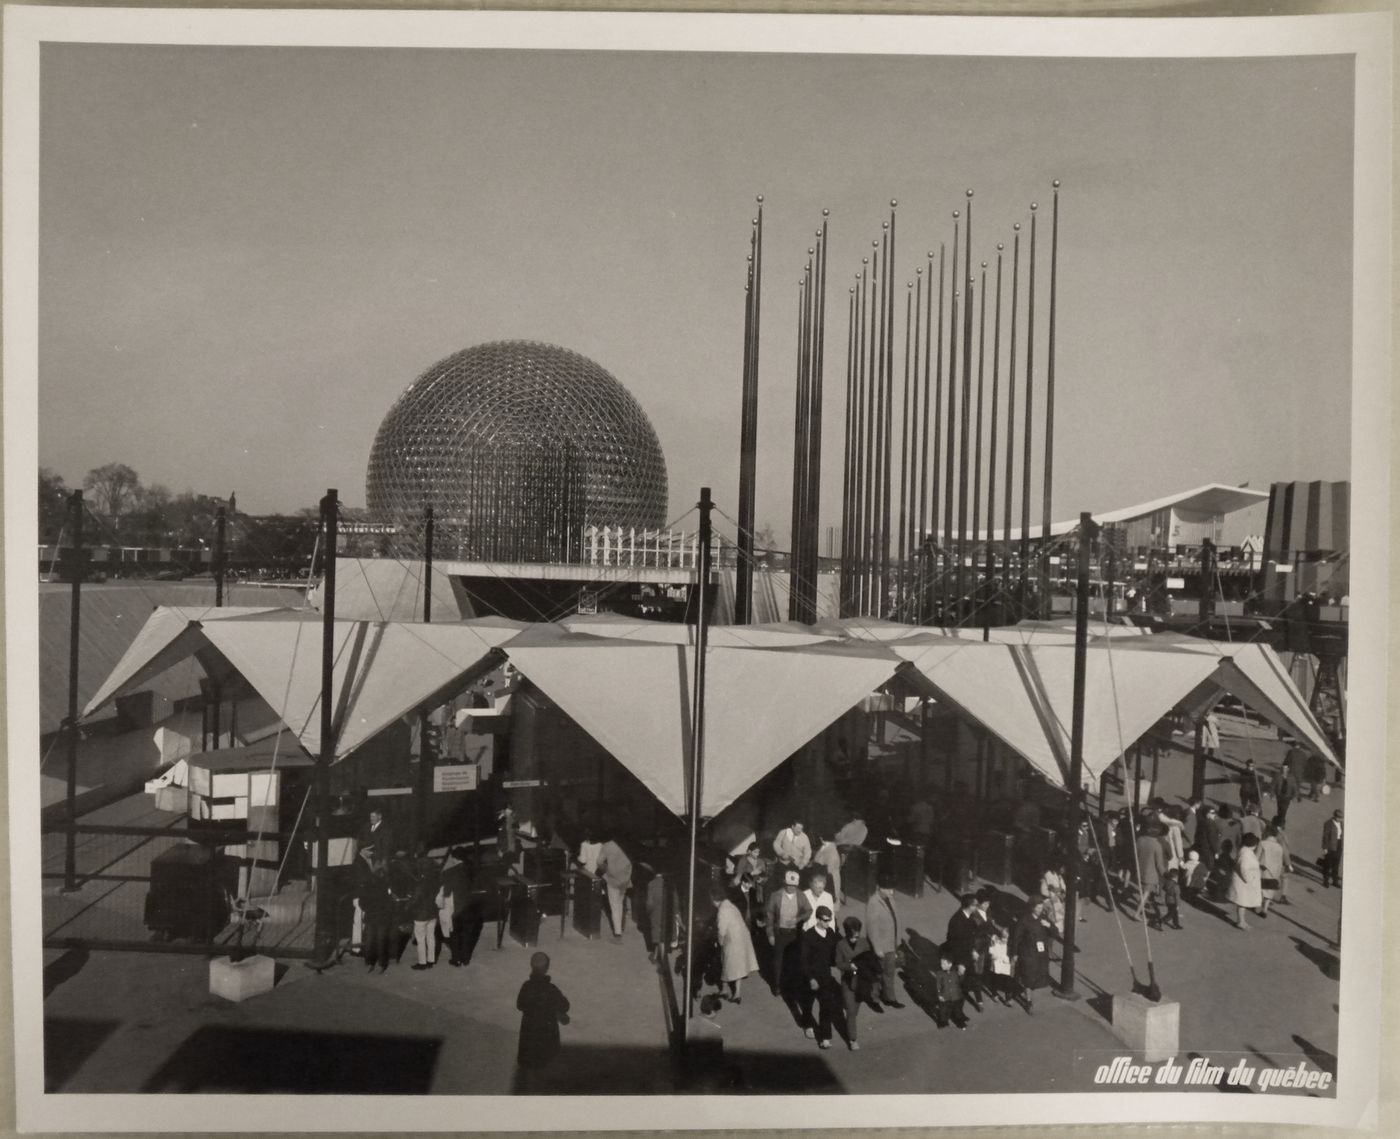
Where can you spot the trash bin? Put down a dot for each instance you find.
(525, 913)
(590, 900)
(957, 865)
(904, 863)
(858, 873)
(186, 898)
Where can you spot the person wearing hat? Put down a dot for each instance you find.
(883, 929)
(817, 957)
(961, 946)
(787, 912)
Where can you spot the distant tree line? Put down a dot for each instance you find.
(121, 511)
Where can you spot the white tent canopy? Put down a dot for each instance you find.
(380, 670)
(1023, 694)
(635, 699)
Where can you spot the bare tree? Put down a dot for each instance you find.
(115, 490)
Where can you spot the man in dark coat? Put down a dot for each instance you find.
(1249, 786)
(965, 931)
(817, 953)
(543, 1008)
(1285, 790)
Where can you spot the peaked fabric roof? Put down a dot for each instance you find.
(1024, 694)
(635, 699)
(171, 634)
(388, 589)
(1252, 672)
(380, 670)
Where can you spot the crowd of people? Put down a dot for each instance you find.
(776, 915)
(1208, 854)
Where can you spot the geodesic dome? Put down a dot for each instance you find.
(517, 446)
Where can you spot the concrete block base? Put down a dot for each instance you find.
(1154, 1030)
(239, 980)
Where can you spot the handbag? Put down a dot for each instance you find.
(1269, 883)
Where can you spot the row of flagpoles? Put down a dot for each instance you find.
(924, 435)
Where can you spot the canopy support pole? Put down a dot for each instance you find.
(427, 756)
(325, 918)
(697, 757)
(1087, 530)
(77, 570)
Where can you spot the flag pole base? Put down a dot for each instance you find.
(1066, 994)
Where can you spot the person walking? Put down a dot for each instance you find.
(817, 954)
(1210, 735)
(948, 993)
(1272, 861)
(1295, 760)
(999, 980)
(787, 912)
(1030, 951)
(616, 869)
(1244, 889)
(883, 928)
(859, 970)
(737, 958)
(1331, 861)
(1151, 868)
(1316, 772)
(1285, 790)
(1281, 833)
(1194, 875)
(828, 857)
(751, 863)
(792, 846)
(378, 906)
(817, 896)
(961, 945)
(543, 1008)
(423, 908)
(1253, 822)
(1052, 885)
(1249, 787)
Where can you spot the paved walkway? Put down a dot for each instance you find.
(146, 1022)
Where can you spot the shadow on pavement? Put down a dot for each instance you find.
(1324, 960)
(64, 968)
(68, 1043)
(1320, 1058)
(626, 1070)
(272, 1060)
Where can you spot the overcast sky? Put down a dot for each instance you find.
(248, 253)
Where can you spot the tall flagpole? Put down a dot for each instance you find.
(991, 459)
(863, 432)
(977, 433)
(1030, 425)
(928, 526)
(964, 423)
(849, 456)
(914, 466)
(1011, 406)
(903, 568)
(949, 518)
(872, 458)
(1050, 398)
(748, 433)
(888, 339)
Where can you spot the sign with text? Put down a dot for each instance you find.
(455, 777)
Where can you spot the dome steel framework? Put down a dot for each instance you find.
(517, 446)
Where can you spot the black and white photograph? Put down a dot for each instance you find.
(633, 571)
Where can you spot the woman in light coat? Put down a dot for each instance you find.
(737, 955)
(1273, 863)
(1244, 889)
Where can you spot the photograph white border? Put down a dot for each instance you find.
(1366, 36)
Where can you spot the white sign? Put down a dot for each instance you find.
(455, 777)
(512, 783)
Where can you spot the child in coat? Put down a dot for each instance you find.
(948, 1004)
